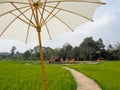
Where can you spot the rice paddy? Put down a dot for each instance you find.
(28, 76)
(106, 74)
(19, 76)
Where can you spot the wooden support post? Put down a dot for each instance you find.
(42, 62)
(38, 28)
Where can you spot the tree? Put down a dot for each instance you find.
(12, 54)
(76, 52)
(31, 51)
(100, 44)
(48, 53)
(17, 56)
(115, 51)
(62, 54)
(112, 52)
(26, 55)
(83, 53)
(69, 51)
(36, 51)
(100, 49)
(67, 46)
(88, 49)
(118, 50)
(66, 52)
(13, 50)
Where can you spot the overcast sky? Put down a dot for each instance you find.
(106, 25)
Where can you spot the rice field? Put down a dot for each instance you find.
(21, 76)
(106, 74)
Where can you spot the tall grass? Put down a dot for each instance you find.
(17, 76)
(106, 74)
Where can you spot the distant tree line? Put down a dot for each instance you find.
(88, 50)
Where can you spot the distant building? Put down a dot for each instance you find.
(58, 60)
(54, 59)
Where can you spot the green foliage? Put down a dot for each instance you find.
(28, 76)
(89, 49)
(27, 54)
(13, 50)
(66, 52)
(76, 51)
(106, 74)
(113, 52)
(48, 53)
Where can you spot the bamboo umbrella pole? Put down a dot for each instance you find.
(40, 44)
(42, 61)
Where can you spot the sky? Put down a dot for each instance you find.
(106, 25)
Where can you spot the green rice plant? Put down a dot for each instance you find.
(106, 74)
(19, 76)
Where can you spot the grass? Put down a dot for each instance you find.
(19, 76)
(106, 74)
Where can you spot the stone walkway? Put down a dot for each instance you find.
(84, 83)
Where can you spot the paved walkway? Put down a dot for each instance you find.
(84, 83)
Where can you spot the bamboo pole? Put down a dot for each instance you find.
(40, 44)
(42, 61)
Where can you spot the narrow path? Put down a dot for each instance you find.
(84, 83)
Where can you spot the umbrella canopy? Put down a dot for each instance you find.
(31, 19)
(55, 17)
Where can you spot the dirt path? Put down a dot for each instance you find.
(84, 83)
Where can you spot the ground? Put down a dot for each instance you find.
(84, 83)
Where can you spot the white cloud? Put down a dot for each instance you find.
(99, 26)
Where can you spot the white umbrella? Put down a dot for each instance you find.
(28, 20)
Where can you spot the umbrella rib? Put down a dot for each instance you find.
(32, 1)
(39, 1)
(52, 17)
(43, 12)
(13, 2)
(60, 20)
(32, 9)
(12, 11)
(11, 23)
(52, 11)
(28, 29)
(7, 27)
(45, 25)
(20, 2)
(23, 20)
(22, 13)
(77, 1)
(70, 12)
